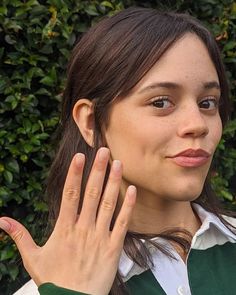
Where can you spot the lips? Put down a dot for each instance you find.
(191, 158)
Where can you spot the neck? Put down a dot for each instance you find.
(154, 215)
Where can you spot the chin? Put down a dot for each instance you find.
(187, 198)
(188, 188)
(188, 194)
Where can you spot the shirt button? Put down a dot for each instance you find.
(181, 290)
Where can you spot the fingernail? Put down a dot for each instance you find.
(79, 159)
(116, 165)
(4, 225)
(103, 154)
(132, 191)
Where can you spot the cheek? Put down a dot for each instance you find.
(140, 146)
(137, 134)
(216, 131)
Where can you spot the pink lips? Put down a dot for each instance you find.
(191, 158)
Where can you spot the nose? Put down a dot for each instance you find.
(193, 123)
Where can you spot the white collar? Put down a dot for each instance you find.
(128, 268)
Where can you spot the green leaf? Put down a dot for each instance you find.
(47, 81)
(34, 141)
(13, 271)
(42, 91)
(230, 45)
(10, 40)
(230, 127)
(27, 148)
(41, 206)
(226, 195)
(91, 10)
(27, 125)
(107, 4)
(3, 10)
(3, 133)
(8, 176)
(3, 268)
(233, 8)
(6, 254)
(42, 136)
(13, 166)
(2, 168)
(24, 158)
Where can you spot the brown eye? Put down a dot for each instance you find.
(209, 104)
(162, 103)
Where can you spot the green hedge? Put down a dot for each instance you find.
(36, 38)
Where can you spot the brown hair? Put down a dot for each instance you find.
(108, 61)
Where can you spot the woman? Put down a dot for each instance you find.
(143, 110)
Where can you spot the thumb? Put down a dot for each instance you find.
(20, 235)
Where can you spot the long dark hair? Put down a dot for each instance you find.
(108, 61)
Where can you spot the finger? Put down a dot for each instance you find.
(94, 188)
(109, 199)
(124, 217)
(71, 192)
(20, 236)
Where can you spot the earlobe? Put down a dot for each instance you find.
(84, 118)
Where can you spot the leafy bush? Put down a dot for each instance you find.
(36, 38)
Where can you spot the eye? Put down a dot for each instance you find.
(162, 102)
(210, 103)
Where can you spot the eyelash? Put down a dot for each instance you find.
(160, 99)
(210, 99)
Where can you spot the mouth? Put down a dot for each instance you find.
(191, 158)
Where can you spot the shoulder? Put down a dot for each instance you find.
(30, 288)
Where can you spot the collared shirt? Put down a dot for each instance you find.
(212, 232)
(173, 276)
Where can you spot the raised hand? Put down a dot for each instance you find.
(82, 253)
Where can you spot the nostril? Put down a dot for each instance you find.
(195, 128)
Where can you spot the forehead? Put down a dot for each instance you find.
(187, 62)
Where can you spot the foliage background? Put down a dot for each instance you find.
(36, 38)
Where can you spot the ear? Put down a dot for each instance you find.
(84, 118)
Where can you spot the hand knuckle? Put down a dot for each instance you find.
(114, 178)
(99, 165)
(72, 193)
(17, 235)
(123, 223)
(107, 204)
(82, 233)
(93, 192)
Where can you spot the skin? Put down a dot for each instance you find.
(164, 188)
(144, 135)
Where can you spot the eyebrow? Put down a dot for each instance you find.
(172, 85)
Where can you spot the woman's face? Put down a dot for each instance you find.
(172, 110)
